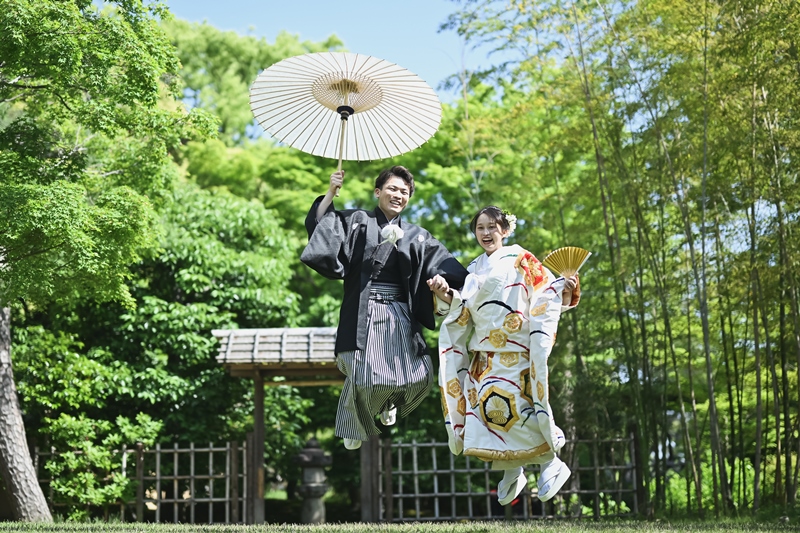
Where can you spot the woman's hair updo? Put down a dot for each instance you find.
(494, 213)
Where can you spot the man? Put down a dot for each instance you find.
(386, 265)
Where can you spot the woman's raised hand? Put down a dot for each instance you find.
(571, 285)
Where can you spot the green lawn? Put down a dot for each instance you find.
(471, 527)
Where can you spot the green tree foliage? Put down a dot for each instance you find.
(90, 120)
(218, 265)
(88, 115)
(88, 472)
(217, 69)
(77, 202)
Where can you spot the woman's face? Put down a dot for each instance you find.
(489, 233)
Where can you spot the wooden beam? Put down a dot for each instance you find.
(306, 383)
(234, 481)
(302, 374)
(388, 496)
(258, 430)
(250, 468)
(370, 487)
(263, 365)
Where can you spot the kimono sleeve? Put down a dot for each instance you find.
(453, 370)
(311, 218)
(544, 312)
(434, 259)
(438, 260)
(331, 246)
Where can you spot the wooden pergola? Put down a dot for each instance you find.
(275, 356)
(302, 356)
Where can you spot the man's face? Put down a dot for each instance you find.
(393, 198)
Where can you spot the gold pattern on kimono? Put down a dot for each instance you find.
(512, 323)
(463, 318)
(454, 388)
(540, 390)
(525, 388)
(472, 394)
(539, 310)
(498, 338)
(445, 410)
(462, 406)
(481, 364)
(499, 409)
(507, 455)
(509, 359)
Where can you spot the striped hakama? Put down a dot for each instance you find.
(388, 373)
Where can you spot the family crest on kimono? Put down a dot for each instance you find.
(385, 263)
(494, 345)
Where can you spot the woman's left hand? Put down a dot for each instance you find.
(571, 284)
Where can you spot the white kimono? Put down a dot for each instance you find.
(493, 351)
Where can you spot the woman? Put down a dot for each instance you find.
(493, 350)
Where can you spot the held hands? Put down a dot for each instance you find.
(441, 288)
(571, 287)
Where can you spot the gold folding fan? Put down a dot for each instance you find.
(566, 261)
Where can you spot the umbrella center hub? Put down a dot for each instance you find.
(336, 89)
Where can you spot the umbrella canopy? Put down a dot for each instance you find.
(347, 106)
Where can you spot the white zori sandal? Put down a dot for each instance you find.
(553, 476)
(511, 485)
(352, 444)
(389, 416)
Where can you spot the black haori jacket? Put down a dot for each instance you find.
(337, 247)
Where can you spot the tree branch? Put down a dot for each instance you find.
(23, 86)
(35, 252)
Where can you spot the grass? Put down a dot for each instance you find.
(560, 526)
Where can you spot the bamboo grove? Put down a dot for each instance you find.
(670, 141)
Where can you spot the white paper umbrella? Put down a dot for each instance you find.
(347, 106)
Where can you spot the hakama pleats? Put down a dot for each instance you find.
(390, 372)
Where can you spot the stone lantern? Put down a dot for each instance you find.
(313, 460)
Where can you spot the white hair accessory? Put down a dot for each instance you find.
(512, 221)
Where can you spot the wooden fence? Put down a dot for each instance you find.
(193, 484)
(420, 481)
(415, 481)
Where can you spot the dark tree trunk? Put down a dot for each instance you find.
(16, 465)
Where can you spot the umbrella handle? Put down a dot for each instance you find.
(341, 147)
(344, 111)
